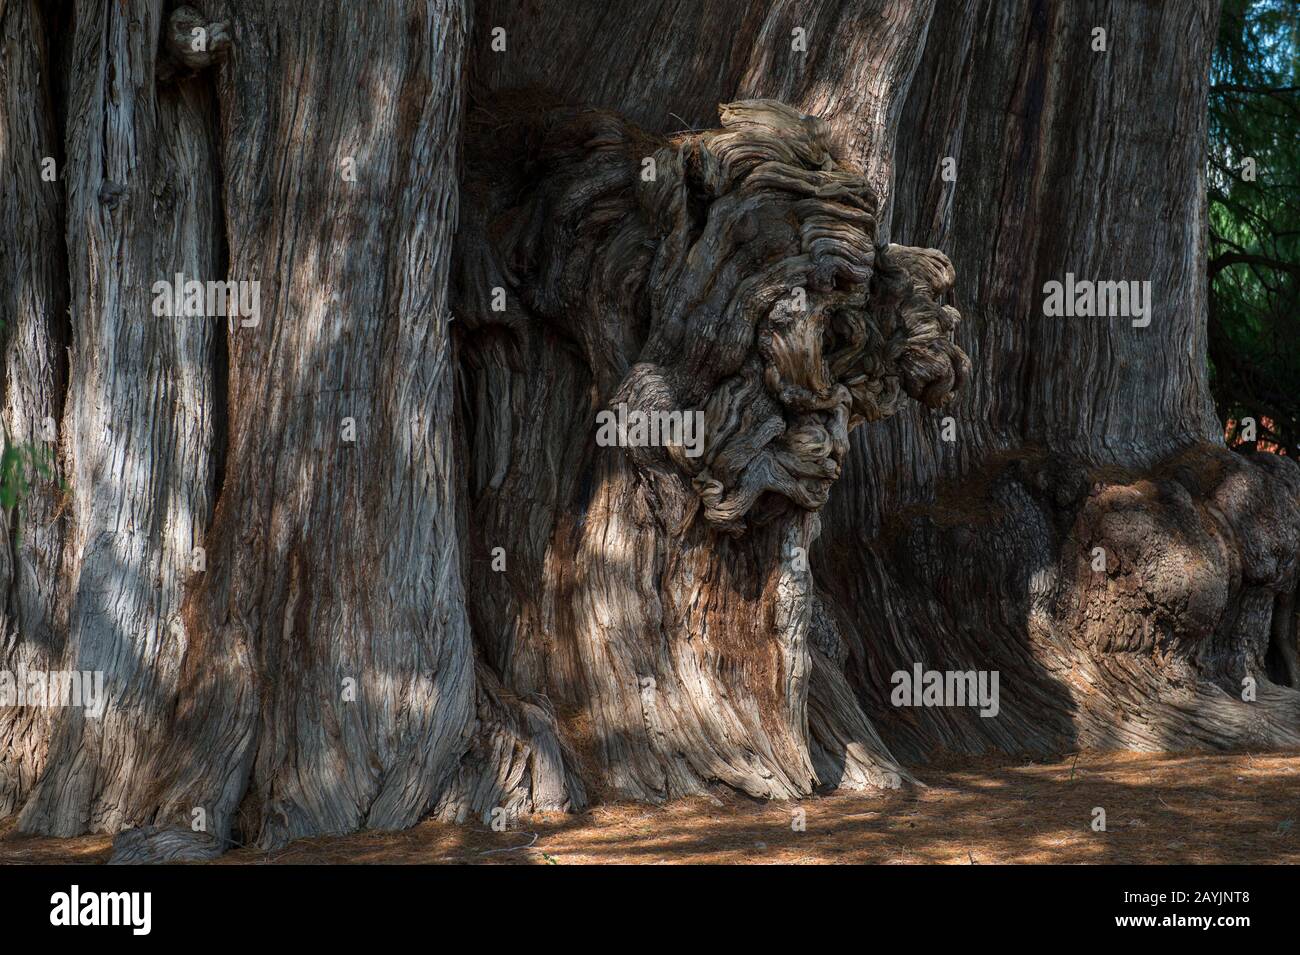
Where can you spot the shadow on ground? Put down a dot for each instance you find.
(1221, 808)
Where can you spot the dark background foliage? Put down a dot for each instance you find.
(1254, 224)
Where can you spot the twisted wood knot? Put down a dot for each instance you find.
(193, 41)
(733, 273)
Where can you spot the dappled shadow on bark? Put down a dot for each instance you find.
(1125, 609)
(666, 594)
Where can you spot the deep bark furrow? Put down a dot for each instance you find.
(616, 598)
(137, 422)
(33, 309)
(427, 586)
(332, 685)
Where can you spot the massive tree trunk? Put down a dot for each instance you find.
(328, 682)
(1086, 533)
(261, 555)
(667, 606)
(141, 181)
(354, 562)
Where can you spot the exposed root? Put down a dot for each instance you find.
(150, 845)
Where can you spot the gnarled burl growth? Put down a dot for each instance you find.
(733, 272)
(661, 594)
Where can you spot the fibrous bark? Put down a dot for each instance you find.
(331, 684)
(426, 587)
(137, 428)
(1074, 435)
(33, 308)
(739, 280)
(312, 671)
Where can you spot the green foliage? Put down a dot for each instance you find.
(1254, 253)
(21, 465)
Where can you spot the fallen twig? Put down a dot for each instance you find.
(488, 852)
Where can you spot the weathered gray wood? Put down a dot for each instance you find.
(331, 686)
(137, 433)
(655, 630)
(1074, 433)
(33, 308)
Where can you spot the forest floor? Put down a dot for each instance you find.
(1222, 808)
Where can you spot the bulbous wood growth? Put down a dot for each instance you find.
(731, 274)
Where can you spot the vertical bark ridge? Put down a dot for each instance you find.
(332, 686)
(33, 309)
(137, 421)
(677, 658)
(1076, 432)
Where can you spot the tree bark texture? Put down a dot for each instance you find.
(364, 559)
(34, 303)
(1075, 434)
